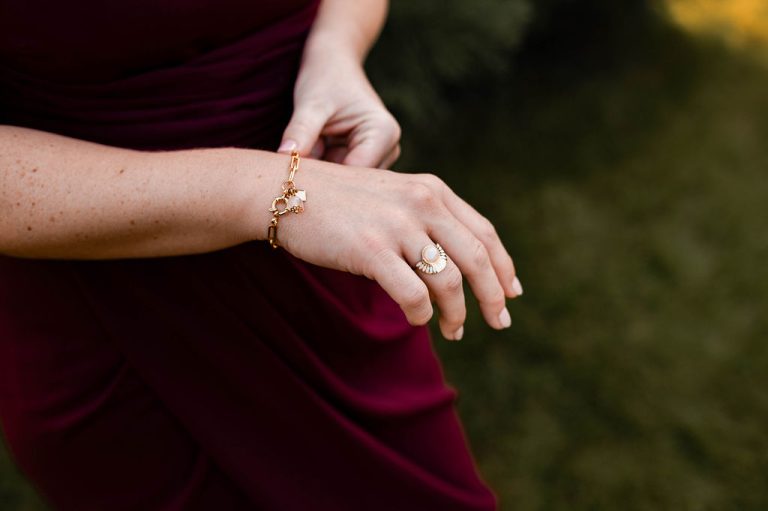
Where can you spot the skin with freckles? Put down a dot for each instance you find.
(66, 198)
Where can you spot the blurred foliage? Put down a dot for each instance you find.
(743, 23)
(623, 163)
(430, 49)
(432, 53)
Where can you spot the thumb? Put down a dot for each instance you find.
(303, 130)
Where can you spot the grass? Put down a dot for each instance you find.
(633, 194)
(629, 181)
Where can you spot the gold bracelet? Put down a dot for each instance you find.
(292, 199)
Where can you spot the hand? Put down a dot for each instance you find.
(375, 222)
(338, 117)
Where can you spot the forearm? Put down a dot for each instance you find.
(67, 198)
(347, 27)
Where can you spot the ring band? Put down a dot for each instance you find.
(433, 259)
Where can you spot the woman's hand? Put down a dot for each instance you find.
(375, 223)
(338, 116)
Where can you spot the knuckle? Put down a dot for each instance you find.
(388, 126)
(455, 317)
(431, 180)
(373, 243)
(511, 264)
(421, 195)
(453, 282)
(416, 301)
(419, 320)
(494, 300)
(380, 255)
(487, 230)
(397, 131)
(479, 256)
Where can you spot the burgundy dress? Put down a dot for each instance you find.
(192, 382)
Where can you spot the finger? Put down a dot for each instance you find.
(472, 258)
(318, 149)
(484, 230)
(401, 283)
(391, 158)
(469, 253)
(371, 142)
(303, 129)
(446, 288)
(335, 152)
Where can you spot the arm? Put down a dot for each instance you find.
(347, 27)
(67, 198)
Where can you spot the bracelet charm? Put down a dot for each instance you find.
(292, 200)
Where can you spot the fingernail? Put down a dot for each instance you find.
(287, 146)
(517, 287)
(504, 318)
(458, 334)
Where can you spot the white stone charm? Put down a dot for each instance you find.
(433, 259)
(296, 201)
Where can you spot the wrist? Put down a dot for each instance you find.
(318, 179)
(260, 179)
(258, 176)
(330, 67)
(328, 46)
(348, 27)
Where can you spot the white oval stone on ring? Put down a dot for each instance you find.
(433, 259)
(430, 254)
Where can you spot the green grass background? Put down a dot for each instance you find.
(624, 164)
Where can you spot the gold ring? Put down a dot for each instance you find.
(433, 259)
